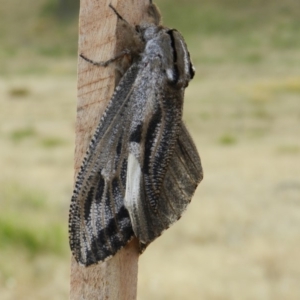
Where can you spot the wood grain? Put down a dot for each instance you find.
(98, 32)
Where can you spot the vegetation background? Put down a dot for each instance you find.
(240, 237)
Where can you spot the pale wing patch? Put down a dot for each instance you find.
(133, 184)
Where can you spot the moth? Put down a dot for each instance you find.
(142, 167)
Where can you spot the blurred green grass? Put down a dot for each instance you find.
(24, 224)
(20, 134)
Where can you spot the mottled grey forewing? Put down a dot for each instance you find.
(99, 224)
(181, 179)
(168, 169)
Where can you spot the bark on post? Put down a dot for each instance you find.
(115, 279)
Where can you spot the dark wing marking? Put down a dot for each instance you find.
(99, 224)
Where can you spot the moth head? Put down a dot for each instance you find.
(151, 19)
(154, 14)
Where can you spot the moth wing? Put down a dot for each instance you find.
(99, 224)
(183, 174)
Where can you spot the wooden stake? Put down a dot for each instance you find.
(115, 279)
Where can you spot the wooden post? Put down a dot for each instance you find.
(115, 279)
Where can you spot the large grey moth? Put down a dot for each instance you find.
(142, 167)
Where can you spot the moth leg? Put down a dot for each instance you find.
(118, 15)
(111, 60)
(119, 55)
